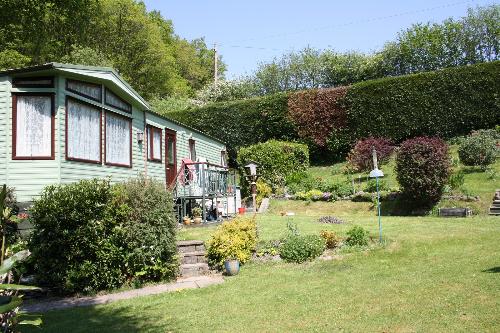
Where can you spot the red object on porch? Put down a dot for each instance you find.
(241, 210)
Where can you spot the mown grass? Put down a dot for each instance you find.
(433, 275)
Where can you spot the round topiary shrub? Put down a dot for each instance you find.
(423, 168)
(91, 236)
(478, 150)
(360, 157)
(297, 248)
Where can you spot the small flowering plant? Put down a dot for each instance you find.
(22, 216)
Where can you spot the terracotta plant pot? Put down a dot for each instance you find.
(186, 221)
(197, 220)
(232, 266)
(241, 210)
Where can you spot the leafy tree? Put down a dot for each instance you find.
(173, 104)
(81, 55)
(424, 47)
(348, 68)
(13, 59)
(46, 30)
(293, 71)
(141, 45)
(227, 91)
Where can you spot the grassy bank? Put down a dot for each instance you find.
(433, 275)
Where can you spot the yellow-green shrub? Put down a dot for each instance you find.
(263, 191)
(332, 240)
(235, 239)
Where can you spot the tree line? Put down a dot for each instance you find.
(474, 38)
(140, 44)
(174, 73)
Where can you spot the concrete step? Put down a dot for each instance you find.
(193, 257)
(494, 209)
(494, 214)
(188, 270)
(190, 246)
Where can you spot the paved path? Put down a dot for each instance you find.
(182, 283)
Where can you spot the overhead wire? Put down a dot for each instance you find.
(233, 44)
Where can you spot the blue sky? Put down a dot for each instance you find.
(253, 31)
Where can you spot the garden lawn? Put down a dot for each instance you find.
(433, 275)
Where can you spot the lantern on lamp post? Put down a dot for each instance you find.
(252, 176)
(376, 173)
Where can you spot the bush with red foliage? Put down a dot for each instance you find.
(317, 112)
(423, 168)
(360, 157)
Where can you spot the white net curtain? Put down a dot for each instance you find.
(34, 126)
(117, 140)
(83, 132)
(157, 144)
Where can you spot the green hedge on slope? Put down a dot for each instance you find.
(443, 103)
(242, 123)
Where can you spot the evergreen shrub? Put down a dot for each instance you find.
(423, 168)
(478, 150)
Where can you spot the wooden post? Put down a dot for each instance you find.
(216, 74)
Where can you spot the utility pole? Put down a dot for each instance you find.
(216, 74)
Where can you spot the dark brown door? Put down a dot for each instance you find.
(170, 156)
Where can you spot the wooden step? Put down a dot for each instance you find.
(188, 270)
(193, 257)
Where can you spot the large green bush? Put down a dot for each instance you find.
(423, 168)
(235, 239)
(91, 236)
(277, 160)
(478, 150)
(301, 248)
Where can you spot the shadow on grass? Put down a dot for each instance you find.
(122, 319)
(401, 207)
(470, 170)
(492, 270)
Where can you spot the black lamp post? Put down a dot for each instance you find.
(252, 176)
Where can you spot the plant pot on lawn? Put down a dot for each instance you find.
(232, 266)
(186, 220)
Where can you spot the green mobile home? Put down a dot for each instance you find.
(61, 123)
